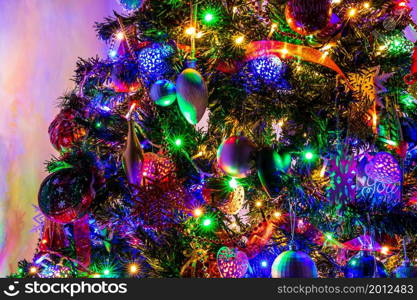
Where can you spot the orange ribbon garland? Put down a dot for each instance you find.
(283, 50)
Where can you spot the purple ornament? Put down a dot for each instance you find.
(234, 156)
(384, 168)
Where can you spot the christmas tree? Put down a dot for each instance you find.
(237, 138)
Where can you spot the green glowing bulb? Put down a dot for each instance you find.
(178, 142)
(233, 183)
(309, 155)
(98, 124)
(106, 272)
(329, 236)
(207, 222)
(208, 17)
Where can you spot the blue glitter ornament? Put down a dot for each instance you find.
(267, 68)
(362, 265)
(131, 5)
(153, 62)
(262, 74)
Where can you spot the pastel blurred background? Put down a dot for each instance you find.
(40, 41)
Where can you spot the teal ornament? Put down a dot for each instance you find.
(364, 265)
(192, 95)
(293, 264)
(163, 92)
(406, 270)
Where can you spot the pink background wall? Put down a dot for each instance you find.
(40, 41)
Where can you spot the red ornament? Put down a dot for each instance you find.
(64, 130)
(65, 198)
(308, 16)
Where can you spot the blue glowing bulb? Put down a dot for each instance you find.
(264, 264)
(113, 53)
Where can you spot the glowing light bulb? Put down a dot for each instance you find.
(264, 264)
(120, 35)
(106, 272)
(190, 30)
(44, 241)
(366, 5)
(239, 40)
(233, 183)
(133, 269)
(258, 203)
(207, 222)
(178, 142)
(352, 12)
(33, 270)
(336, 1)
(208, 17)
(384, 250)
(277, 214)
(199, 35)
(113, 53)
(284, 51)
(329, 236)
(198, 212)
(96, 275)
(309, 155)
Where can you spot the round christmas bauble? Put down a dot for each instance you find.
(153, 61)
(217, 193)
(131, 5)
(64, 130)
(163, 92)
(271, 167)
(308, 16)
(364, 265)
(406, 270)
(293, 264)
(267, 68)
(234, 156)
(192, 95)
(232, 263)
(66, 195)
(384, 168)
